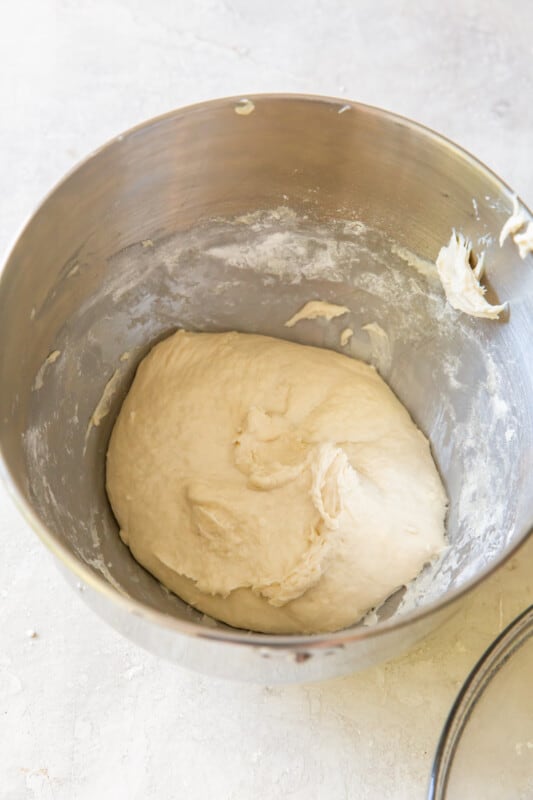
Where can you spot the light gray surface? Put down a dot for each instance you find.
(86, 714)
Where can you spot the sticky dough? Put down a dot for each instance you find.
(461, 281)
(274, 486)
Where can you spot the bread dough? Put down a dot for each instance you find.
(516, 221)
(274, 486)
(244, 107)
(524, 241)
(345, 336)
(460, 280)
(315, 309)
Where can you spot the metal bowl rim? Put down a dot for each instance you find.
(478, 679)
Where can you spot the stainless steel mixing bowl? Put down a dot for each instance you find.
(209, 218)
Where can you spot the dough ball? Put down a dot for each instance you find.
(277, 487)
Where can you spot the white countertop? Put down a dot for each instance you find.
(84, 714)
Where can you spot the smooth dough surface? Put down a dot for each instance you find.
(277, 487)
